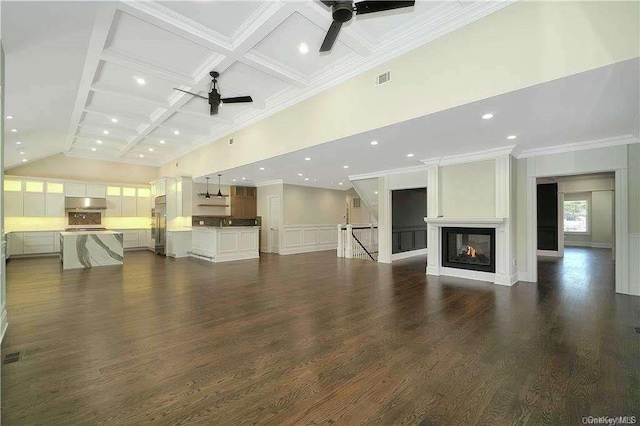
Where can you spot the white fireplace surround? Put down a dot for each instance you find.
(434, 260)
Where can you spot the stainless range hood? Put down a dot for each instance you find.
(85, 203)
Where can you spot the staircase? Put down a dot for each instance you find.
(358, 242)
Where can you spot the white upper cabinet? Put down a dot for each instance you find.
(96, 191)
(13, 204)
(33, 205)
(143, 202)
(72, 189)
(54, 205)
(129, 202)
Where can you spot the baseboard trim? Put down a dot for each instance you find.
(408, 254)
(587, 244)
(307, 249)
(549, 253)
(523, 276)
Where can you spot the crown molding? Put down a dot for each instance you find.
(579, 146)
(472, 157)
(372, 175)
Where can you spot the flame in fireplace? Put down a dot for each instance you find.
(471, 251)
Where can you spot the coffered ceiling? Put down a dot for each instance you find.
(116, 46)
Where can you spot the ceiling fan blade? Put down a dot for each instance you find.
(372, 6)
(328, 3)
(238, 100)
(213, 110)
(191, 93)
(331, 36)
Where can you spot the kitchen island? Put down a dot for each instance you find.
(86, 249)
(224, 243)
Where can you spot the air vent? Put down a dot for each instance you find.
(356, 203)
(231, 141)
(12, 357)
(383, 78)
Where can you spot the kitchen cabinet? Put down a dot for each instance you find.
(72, 189)
(38, 242)
(143, 206)
(54, 204)
(184, 197)
(96, 190)
(131, 238)
(56, 242)
(114, 206)
(16, 245)
(244, 202)
(13, 204)
(129, 206)
(33, 205)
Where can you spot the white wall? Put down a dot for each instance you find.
(201, 188)
(358, 215)
(305, 205)
(62, 167)
(468, 190)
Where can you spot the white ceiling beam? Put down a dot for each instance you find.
(146, 67)
(101, 27)
(128, 116)
(273, 68)
(114, 91)
(206, 115)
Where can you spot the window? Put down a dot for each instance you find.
(576, 216)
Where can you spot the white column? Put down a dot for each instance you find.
(348, 241)
(505, 248)
(340, 241)
(433, 211)
(622, 235)
(384, 220)
(371, 243)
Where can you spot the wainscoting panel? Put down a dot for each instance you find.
(309, 238)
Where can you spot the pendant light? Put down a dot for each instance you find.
(207, 195)
(219, 192)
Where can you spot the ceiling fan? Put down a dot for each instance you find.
(214, 96)
(342, 11)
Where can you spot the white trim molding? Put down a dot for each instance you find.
(298, 239)
(472, 157)
(408, 254)
(634, 267)
(548, 253)
(579, 146)
(587, 244)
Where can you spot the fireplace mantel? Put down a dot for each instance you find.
(476, 222)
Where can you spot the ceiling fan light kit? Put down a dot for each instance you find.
(214, 98)
(342, 11)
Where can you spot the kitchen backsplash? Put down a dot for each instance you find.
(85, 218)
(24, 224)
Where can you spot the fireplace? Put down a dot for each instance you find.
(469, 248)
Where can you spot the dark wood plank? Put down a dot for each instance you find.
(315, 339)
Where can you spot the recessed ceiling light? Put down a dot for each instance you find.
(315, 180)
(141, 155)
(14, 130)
(150, 149)
(114, 120)
(345, 167)
(140, 81)
(162, 142)
(234, 180)
(340, 183)
(99, 142)
(376, 192)
(176, 132)
(299, 174)
(374, 142)
(306, 178)
(511, 137)
(24, 160)
(21, 152)
(487, 116)
(261, 168)
(9, 117)
(303, 48)
(18, 143)
(93, 149)
(307, 158)
(244, 178)
(106, 132)
(409, 155)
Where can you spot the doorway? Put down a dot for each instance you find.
(273, 225)
(576, 221)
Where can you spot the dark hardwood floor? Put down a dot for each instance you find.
(316, 339)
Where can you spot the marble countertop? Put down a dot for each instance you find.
(68, 233)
